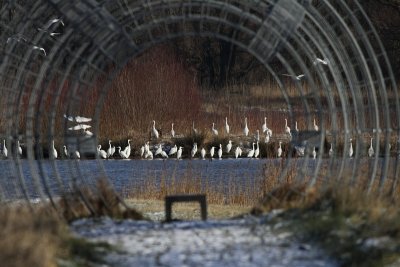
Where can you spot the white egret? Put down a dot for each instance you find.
(371, 150)
(54, 151)
(121, 153)
(109, 150)
(314, 153)
(80, 119)
(220, 151)
(127, 149)
(19, 148)
(295, 127)
(154, 130)
(5, 151)
(172, 130)
(214, 131)
(18, 38)
(237, 152)
(101, 153)
(194, 150)
(77, 155)
(53, 21)
(158, 151)
(351, 148)
(194, 129)
(280, 149)
(52, 34)
(229, 147)
(212, 152)
(250, 154)
(287, 128)
(324, 61)
(146, 147)
(173, 150)
(240, 152)
(257, 151)
(316, 128)
(149, 154)
(79, 127)
(246, 129)
(226, 125)
(267, 138)
(297, 77)
(179, 153)
(34, 47)
(65, 152)
(203, 153)
(264, 126)
(330, 153)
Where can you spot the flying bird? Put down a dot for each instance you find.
(18, 38)
(297, 77)
(53, 21)
(40, 49)
(321, 61)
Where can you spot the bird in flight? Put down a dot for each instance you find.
(17, 37)
(40, 49)
(298, 77)
(321, 61)
(51, 22)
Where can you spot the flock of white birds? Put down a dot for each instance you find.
(160, 150)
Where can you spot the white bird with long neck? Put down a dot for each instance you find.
(109, 150)
(246, 128)
(194, 129)
(127, 149)
(154, 130)
(229, 147)
(203, 153)
(264, 127)
(159, 150)
(330, 153)
(121, 153)
(77, 155)
(314, 153)
(101, 153)
(179, 153)
(173, 150)
(146, 147)
(142, 151)
(149, 155)
(54, 151)
(351, 148)
(212, 152)
(316, 128)
(250, 154)
(237, 152)
(371, 151)
(226, 125)
(214, 131)
(287, 128)
(65, 152)
(19, 148)
(257, 151)
(5, 151)
(172, 130)
(295, 127)
(280, 149)
(164, 154)
(220, 152)
(194, 150)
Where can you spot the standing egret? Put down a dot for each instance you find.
(257, 151)
(212, 152)
(172, 130)
(109, 150)
(250, 154)
(229, 147)
(280, 149)
(148, 154)
(194, 150)
(371, 150)
(179, 153)
(220, 151)
(77, 155)
(351, 148)
(146, 147)
(127, 149)
(158, 151)
(164, 154)
(214, 131)
(324, 61)
(5, 151)
(314, 153)
(246, 129)
(173, 150)
(295, 127)
(19, 148)
(65, 152)
(54, 151)
(264, 126)
(330, 153)
(237, 152)
(121, 153)
(287, 128)
(203, 153)
(316, 128)
(226, 125)
(154, 130)
(101, 153)
(142, 151)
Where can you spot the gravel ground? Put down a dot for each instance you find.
(240, 242)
